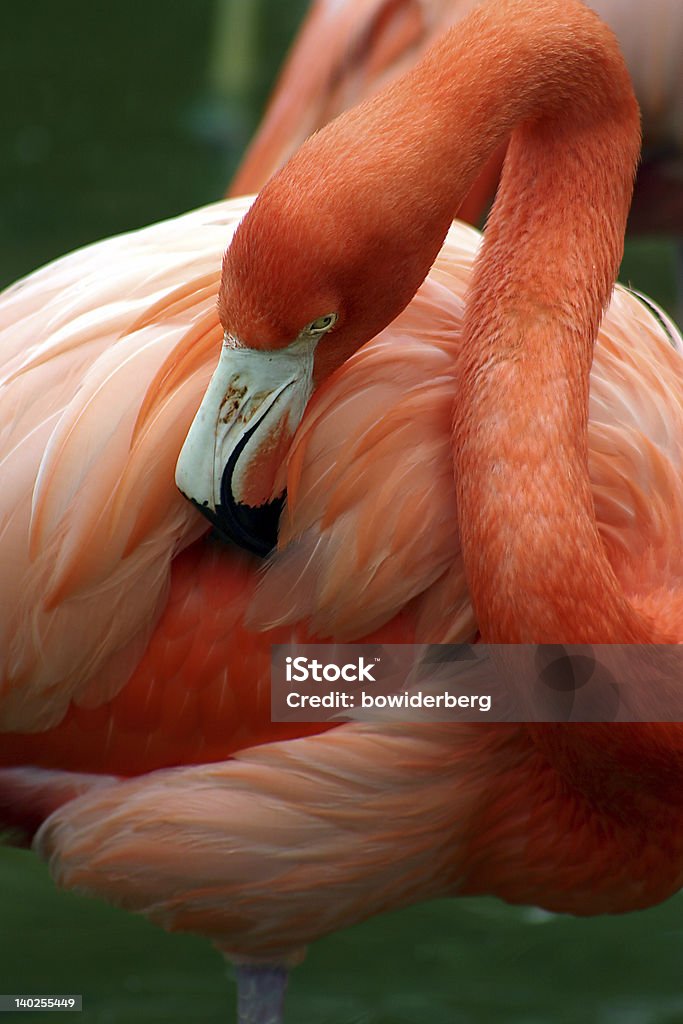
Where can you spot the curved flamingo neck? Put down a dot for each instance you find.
(535, 563)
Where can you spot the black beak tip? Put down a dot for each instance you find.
(254, 529)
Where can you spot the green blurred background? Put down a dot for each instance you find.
(114, 116)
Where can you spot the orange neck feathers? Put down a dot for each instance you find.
(536, 566)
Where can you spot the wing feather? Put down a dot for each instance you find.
(90, 429)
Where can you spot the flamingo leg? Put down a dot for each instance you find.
(260, 993)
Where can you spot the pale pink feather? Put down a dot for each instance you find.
(287, 842)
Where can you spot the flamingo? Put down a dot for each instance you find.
(347, 50)
(107, 355)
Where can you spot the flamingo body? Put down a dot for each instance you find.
(199, 691)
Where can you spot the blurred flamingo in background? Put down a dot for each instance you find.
(349, 49)
(135, 644)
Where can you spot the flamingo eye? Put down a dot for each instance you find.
(321, 324)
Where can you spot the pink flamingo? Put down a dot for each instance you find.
(107, 355)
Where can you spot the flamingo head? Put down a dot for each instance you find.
(327, 256)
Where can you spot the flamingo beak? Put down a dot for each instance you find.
(232, 465)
